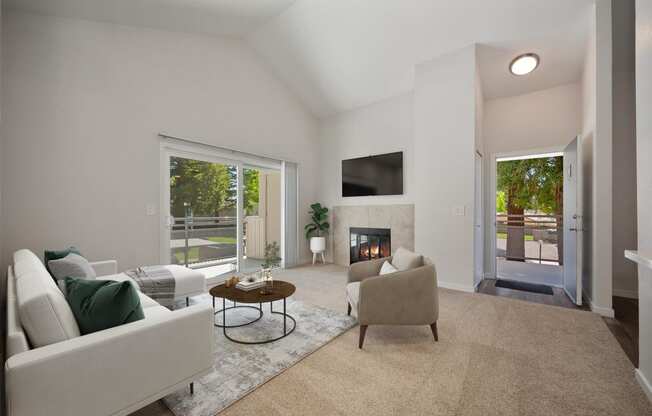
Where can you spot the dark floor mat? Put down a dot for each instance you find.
(526, 287)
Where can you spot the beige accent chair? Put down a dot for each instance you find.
(407, 297)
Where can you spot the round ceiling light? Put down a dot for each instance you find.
(524, 64)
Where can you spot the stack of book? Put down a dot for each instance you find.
(246, 286)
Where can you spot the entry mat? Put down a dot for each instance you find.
(526, 287)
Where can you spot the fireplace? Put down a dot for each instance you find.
(369, 243)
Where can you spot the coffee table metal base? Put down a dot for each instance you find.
(284, 314)
(235, 306)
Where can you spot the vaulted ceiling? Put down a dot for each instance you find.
(341, 54)
(211, 17)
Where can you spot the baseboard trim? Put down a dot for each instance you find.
(606, 312)
(624, 293)
(645, 384)
(456, 286)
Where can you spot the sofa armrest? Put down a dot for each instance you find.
(115, 371)
(105, 268)
(364, 269)
(403, 298)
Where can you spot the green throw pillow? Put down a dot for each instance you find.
(102, 304)
(56, 255)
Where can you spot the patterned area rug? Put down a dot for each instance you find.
(239, 369)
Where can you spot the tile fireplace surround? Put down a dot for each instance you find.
(398, 218)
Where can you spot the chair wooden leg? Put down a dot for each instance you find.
(348, 312)
(433, 328)
(363, 332)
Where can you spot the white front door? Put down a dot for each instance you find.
(478, 234)
(572, 221)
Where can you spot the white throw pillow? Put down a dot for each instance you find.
(73, 265)
(405, 260)
(387, 268)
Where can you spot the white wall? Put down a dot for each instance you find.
(83, 104)
(538, 120)
(382, 127)
(479, 108)
(597, 147)
(644, 176)
(625, 282)
(541, 120)
(602, 221)
(588, 129)
(444, 153)
(481, 184)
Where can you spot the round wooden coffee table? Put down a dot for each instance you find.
(280, 291)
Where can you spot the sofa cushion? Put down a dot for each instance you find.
(25, 254)
(156, 311)
(44, 313)
(26, 261)
(147, 302)
(353, 294)
(73, 265)
(102, 304)
(405, 259)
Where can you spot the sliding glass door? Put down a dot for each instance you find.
(221, 214)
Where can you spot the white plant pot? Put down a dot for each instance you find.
(318, 244)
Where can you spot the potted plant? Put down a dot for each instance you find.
(272, 258)
(316, 229)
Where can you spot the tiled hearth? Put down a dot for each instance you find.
(398, 218)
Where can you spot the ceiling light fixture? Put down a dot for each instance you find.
(524, 64)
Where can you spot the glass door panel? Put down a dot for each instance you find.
(261, 219)
(203, 208)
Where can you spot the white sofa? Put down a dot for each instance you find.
(52, 370)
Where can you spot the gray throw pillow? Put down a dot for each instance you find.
(405, 260)
(73, 265)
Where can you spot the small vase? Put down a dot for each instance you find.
(269, 282)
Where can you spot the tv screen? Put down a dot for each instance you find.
(373, 175)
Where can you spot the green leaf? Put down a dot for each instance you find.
(318, 218)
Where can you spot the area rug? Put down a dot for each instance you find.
(239, 369)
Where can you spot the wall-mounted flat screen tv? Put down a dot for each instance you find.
(373, 175)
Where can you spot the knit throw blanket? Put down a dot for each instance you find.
(157, 282)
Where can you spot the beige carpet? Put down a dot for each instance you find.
(496, 356)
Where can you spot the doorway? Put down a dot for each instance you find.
(529, 219)
(223, 211)
(535, 243)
